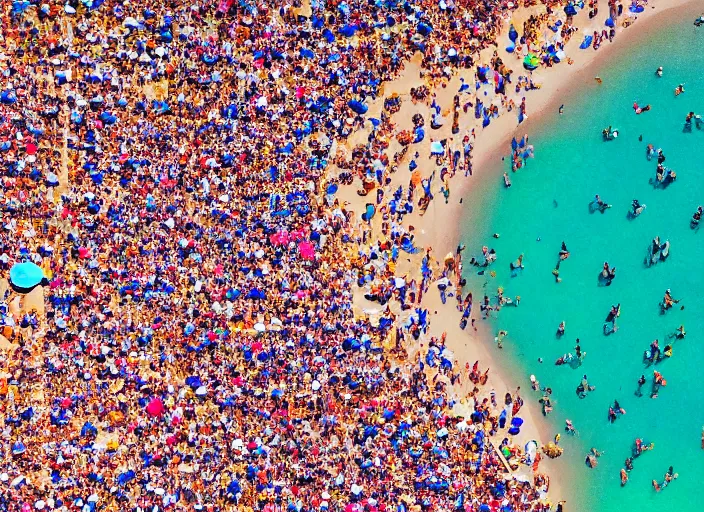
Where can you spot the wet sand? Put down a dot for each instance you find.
(442, 224)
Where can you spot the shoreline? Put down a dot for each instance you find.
(491, 145)
(493, 142)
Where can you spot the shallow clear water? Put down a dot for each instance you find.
(549, 199)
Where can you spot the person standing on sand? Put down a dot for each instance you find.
(446, 190)
(522, 116)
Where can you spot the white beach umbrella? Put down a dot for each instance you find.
(130, 22)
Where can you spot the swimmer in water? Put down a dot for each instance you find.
(658, 72)
(591, 458)
(561, 329)
(679, 333)
(599, 204)
(641, 382)
(669, 477)
(668, 301)
(679, 89)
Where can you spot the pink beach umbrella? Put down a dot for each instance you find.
(280, 238)
(306, 250)
(156, 408)
(298, 234)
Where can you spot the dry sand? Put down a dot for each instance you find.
(439, 227)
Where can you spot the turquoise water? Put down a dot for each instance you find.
(549, 199)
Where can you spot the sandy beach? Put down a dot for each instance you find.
(441, 225)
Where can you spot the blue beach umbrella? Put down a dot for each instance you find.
(18, 448)
(348, 30)
(357, 107)
(570, 10)
(424, 29)
(25, 276)
(19, 6)
(318, 22)
(8, 97)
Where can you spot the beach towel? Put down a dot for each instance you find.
(587, 42)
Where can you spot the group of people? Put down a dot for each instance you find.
(167, 164)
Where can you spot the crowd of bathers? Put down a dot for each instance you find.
(167, 164)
